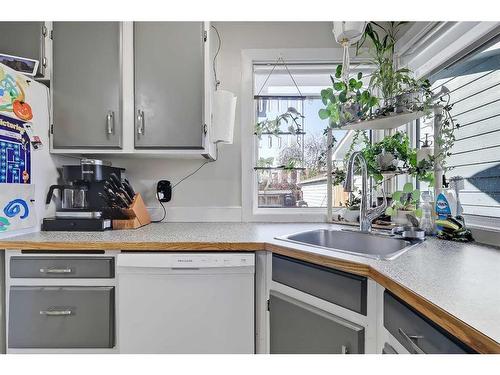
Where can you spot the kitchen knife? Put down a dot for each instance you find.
(118, 201)
(110, 184)
(126, 195)
(129, 188)
(108, 200)
(114, 178)
(122, 201)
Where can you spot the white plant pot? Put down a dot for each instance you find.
(399, 217)
(351, 215)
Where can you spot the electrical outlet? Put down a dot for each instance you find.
(164, 191)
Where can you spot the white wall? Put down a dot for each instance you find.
(214, 193)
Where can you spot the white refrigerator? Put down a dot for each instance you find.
(26, 166)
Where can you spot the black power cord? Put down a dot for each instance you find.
(164, 210)
(183, 179)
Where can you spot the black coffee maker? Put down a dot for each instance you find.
(80, 204)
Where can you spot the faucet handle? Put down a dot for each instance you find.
(375, 212)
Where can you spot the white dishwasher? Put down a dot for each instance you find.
(186, 302)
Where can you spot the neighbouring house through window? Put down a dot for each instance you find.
(474, 85)
(290, 159)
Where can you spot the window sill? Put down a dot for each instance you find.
(290, 215)
(487, 236)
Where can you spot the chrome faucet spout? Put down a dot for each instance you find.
(366, 214)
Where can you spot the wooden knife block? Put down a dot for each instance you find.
(138, 215)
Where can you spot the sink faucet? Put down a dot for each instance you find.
(366, 214)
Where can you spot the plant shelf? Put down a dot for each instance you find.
(391, 174)
(391, 121)
(281, 133)
(279, 168)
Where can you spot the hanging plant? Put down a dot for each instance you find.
(345, 101)
(338, 176)
(290, 118)
(447, 128)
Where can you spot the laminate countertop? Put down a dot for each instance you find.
(455, 285)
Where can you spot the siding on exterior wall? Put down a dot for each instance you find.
(474, 87)
(315, 194)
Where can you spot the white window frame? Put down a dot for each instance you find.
(249, 57)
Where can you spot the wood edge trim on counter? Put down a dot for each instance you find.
(464, 332)
(458, 328)
(140, 246)
(322, 260)
(461, 330)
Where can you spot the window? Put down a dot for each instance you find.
(290, 166)
(474, 85)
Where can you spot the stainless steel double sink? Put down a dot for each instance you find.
(368, 245)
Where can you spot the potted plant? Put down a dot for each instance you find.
(404, 203)
(400, 91)
(392, 154)
(346, 102)
(352, 205)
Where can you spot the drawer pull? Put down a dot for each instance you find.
(56, 270)
(55, 312)
(410, 339)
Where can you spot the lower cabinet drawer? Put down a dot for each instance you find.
(61, 267)
(299, 328)
(61, 317)
(334, 286)
(417, 333)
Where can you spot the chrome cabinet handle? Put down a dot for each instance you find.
(110, 122)
(43, 57)
(410, 339)
(56, 312)
(140, 122)
(56, 270)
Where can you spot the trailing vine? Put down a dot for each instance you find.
(447, 130)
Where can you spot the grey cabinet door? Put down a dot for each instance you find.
(86, 84)
(24, 39)
(415, 332)
(299, 328)
(334, 286)
(169, 85)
